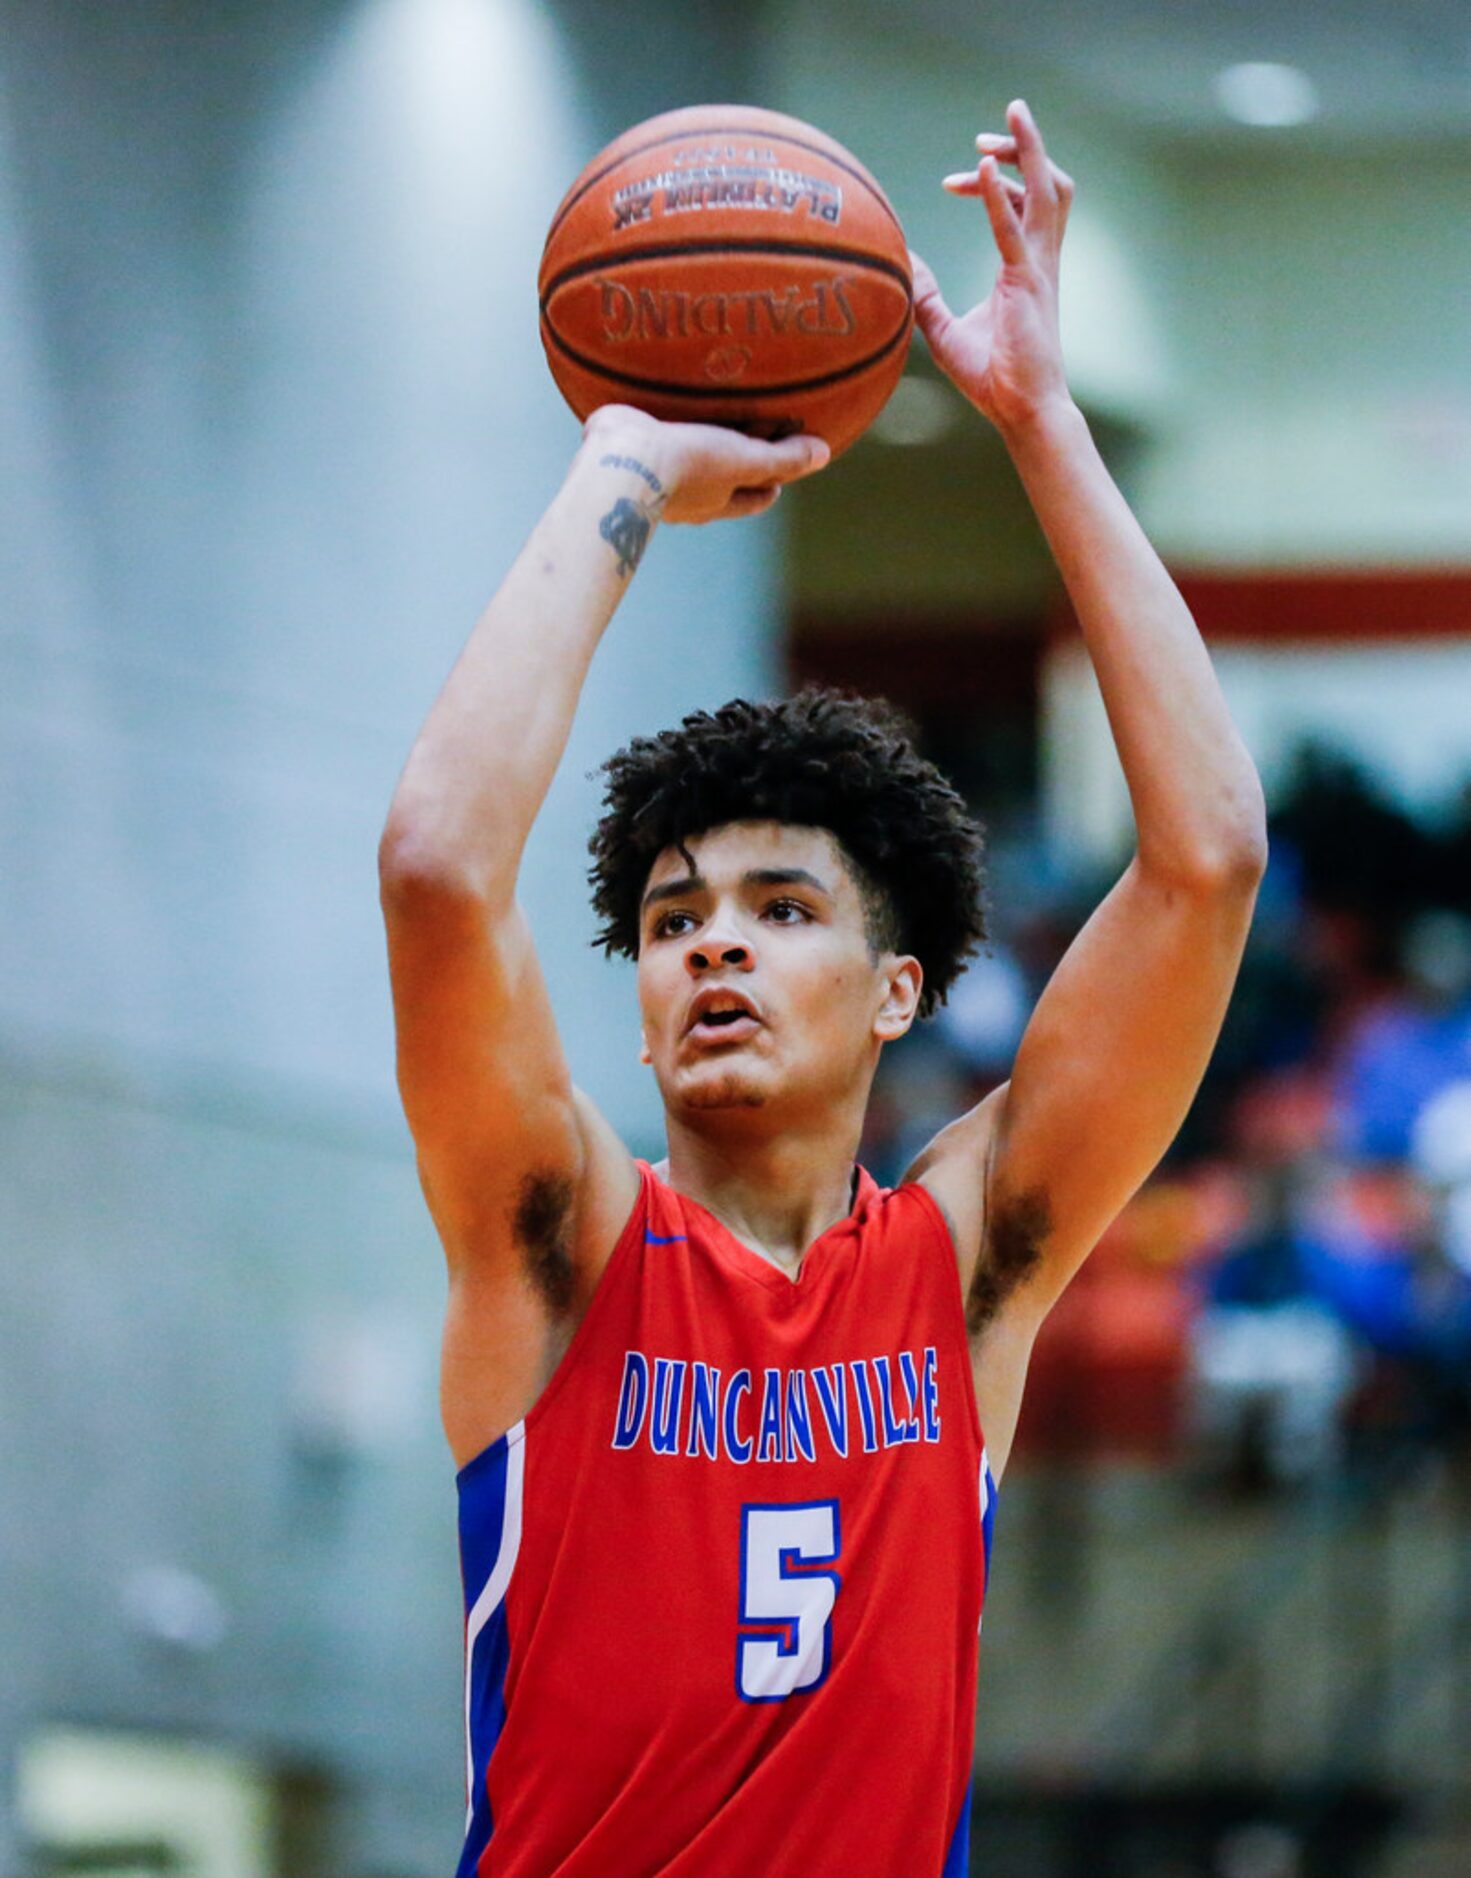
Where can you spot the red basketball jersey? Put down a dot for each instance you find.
(723, 1584)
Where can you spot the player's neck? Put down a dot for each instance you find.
(776, 1193)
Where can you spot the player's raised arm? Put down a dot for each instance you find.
(527, 1185)
(1120, 1038)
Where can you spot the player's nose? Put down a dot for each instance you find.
(718, 943)
(703, 957)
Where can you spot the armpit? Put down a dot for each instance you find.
(1010, 1253)
(543, 1230)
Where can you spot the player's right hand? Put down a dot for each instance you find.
(706, 473)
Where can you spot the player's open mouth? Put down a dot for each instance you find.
(722, 1016)
(725, 1027)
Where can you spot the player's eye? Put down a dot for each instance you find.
(667, 925)
(787, 912)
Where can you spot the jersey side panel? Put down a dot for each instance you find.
(491, 1495)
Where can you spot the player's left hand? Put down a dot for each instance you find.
(1006, 353)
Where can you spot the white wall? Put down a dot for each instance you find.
(274, 419)
(279, 420)
(1322, 308)
(909, 107)
(1286, 337)
(1290, 330)
(1400, 708)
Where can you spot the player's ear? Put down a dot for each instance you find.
(903, 982)
(643, 1049)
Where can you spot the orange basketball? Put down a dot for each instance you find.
(727, 265)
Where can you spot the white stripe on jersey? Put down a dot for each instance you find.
(486, 1604)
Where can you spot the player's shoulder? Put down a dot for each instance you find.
(906, 1240)
(952, 1170)
(510, 1322)
(610, 1189)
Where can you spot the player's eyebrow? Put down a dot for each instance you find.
(753, 877)
(675, 890)
(785, 877)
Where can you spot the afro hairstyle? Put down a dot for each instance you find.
(822, 759)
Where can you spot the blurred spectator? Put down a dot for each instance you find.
(983, 1019)
(920, 1090)
(1359, 852)
(1372, 1254)
(1411, 1042)
(1272, 1367)
(1304, 1256)
(1441, 1151)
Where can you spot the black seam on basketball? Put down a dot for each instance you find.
(732, 392)
(680, 250)
(870, 183)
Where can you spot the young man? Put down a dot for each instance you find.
(723, 1493)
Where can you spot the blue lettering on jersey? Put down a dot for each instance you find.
(682, 1408)
(911, 1388)
(704, 1411)
(799, 1418)
(768, 1442)
(737, 1449)
(632, 1400)
(895, 1430)
(832, 1399)
(865, 1405)
(668, 1394)
(931, 1397)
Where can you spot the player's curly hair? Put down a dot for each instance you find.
(821, 759)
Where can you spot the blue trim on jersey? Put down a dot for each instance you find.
(957, 1859)
(487, 1718)
(673, 1238)
(482, 1493)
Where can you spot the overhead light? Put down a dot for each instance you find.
(1266, 94)
(920, 411)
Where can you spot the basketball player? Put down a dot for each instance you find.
(724, 1500)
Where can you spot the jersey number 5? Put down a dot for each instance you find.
(787, 1599)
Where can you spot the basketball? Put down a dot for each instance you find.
(723, 264)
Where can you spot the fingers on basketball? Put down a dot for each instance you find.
(755, 465)
(751, 502)
(932, 315)
(798, 456)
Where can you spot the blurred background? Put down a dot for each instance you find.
(274, 419)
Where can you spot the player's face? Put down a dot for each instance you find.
(757, 983)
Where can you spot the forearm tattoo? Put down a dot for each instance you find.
(626, 528)
(629, 523)
(639, 469)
